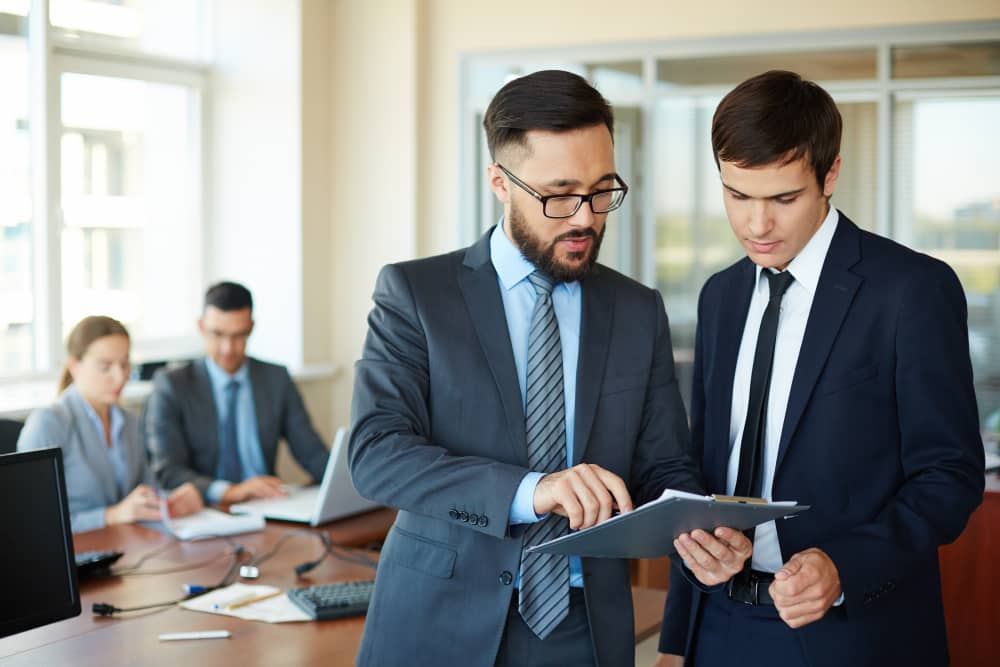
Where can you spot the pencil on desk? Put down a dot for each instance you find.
(258, 598)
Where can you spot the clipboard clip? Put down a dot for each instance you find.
(738, 499)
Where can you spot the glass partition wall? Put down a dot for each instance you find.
(921, 154)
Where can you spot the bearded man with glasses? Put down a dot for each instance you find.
(509, 392)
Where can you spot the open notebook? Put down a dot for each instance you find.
(208, 523)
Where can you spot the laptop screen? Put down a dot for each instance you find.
(40, 584)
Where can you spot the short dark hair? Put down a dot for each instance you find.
(777, 116)
(548, 100)
(228, 296)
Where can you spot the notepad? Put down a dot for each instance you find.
(273, 609)
(209, 523)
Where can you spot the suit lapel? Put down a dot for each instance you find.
(260, 407)
(834, 295)
(732, 316)
(93, 446)
(596, 316)
(203, 401)
(477, 280)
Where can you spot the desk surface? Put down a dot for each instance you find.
(131, 639)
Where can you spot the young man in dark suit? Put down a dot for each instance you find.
(510, 391)
(831, 368)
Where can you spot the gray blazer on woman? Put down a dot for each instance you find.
(90, 475)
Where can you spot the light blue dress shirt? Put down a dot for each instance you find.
(247, 436)
(117, 455)
(518, 302)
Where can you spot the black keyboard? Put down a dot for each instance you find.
(334, 600)
(95, 563)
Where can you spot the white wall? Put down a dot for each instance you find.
(255, 191)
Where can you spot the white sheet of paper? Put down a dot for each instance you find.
(278, 609)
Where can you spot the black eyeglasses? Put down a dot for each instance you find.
(566, 206)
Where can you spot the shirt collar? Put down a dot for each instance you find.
(117, 417)
(221, 378)
(808, 264)
(511, 265)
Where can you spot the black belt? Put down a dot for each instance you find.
(750, 587)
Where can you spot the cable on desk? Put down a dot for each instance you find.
(238, 553)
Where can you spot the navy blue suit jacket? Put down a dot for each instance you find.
(880, 437)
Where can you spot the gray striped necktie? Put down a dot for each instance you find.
(544, 592)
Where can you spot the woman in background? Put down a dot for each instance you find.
(108, 477)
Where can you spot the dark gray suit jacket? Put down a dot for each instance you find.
(438, 431)
(182, 430)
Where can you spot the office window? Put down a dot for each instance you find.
(16, 297)
(948, 205)
(100, 176)
(128, 152)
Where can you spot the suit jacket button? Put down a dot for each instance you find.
(506, 578)
(474, 519)
(464, 516)
(483, 521)
(453, 514)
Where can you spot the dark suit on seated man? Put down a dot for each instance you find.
(511, 391)
(216, 421)
(863, 408)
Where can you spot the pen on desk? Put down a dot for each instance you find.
(201, 634)
(250, 600)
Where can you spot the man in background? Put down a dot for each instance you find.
(216, 421)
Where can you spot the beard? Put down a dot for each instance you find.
(543, 257)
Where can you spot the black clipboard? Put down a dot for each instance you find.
(649, 531)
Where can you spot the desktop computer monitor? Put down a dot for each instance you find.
(37, 560)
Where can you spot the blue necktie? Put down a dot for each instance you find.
(544, 590)
(230, 467)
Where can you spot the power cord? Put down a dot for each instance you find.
(238, 553)
(252, 569)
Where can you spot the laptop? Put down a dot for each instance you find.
(334, 498)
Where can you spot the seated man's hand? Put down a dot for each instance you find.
(262, 486)
(586, 494)
(184, 500)
(805, 587)
(714, 558)
(668, 660)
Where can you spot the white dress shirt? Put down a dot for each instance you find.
(792, 319)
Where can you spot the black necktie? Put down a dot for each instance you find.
(751, 471)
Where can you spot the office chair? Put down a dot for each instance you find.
(9, 430)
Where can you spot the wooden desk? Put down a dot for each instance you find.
(131, 639)
(970, 582)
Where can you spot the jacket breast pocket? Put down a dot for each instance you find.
(421, 554)
(840, 381)
(620, 383)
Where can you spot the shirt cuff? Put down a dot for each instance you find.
(839, 601)
(215, 491)
(522, 508)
